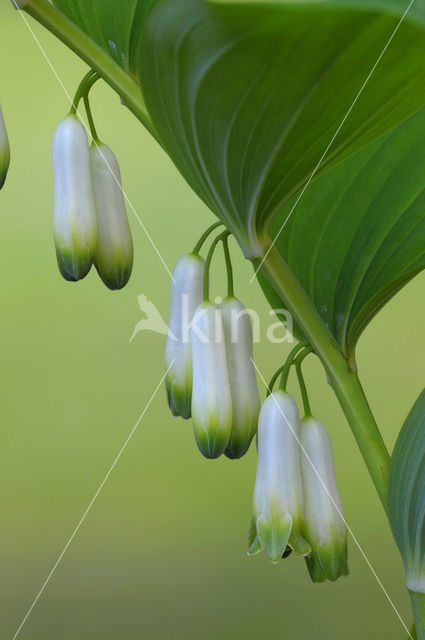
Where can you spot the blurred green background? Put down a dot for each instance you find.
(162, 553)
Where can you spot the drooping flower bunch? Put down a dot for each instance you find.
(210, 372)
(90, 224)
(211, 378)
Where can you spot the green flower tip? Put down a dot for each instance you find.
(238, 446)
(73, 265)
(328, 562)
(114, 274)
(211, 441)
(277, 537)
(179, 398)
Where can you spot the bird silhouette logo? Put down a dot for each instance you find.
(153, 320)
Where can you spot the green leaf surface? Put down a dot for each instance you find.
(406, 493)
(358, 233)
(246, 97)
(115, 25)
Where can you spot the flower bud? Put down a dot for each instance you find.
(74, 219)
(186, 295)
(211, 400)
(243, 383)
(114, 249)
(4, 151)
(323, 519)
(278, 489)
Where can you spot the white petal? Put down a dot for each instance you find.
(74, 220)
(323, 511)
(278, 489)
(211, 397)
(114, 249)
(243, 382)
(185, 296)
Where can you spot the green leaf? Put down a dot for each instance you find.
(115, 25)
(358, 233)
(406, 493)
(246, 97)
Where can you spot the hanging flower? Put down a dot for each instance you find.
(4, 150)
(114, 248)
(323, 518)
(243, 383)
(74, 220)
(186, 295)
(278, 490)
(211, 400)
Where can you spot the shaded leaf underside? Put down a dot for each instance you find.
(406, 492)
(246, 98)
(358, 233)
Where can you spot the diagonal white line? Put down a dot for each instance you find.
(371, 72)
(130, 204)
(336, 506)
(92, 501)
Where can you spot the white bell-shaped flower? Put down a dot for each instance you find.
(74, 219)
(211, 396)
(278, 496)
(4, 150)
(185, 296)
(323, 518)
(114, 248)
(243, 382)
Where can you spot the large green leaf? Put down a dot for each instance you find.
(358, 233)
(246, 97)
(115, 25)
(406, 491)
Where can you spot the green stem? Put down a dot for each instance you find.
(273, 380)
(288, 364)
(83, 89)
(418, 606)
(90, 120)
(344, 380)
(229, 268)
(204, 236)
(214, 243)
(63, 28)
(301, 381)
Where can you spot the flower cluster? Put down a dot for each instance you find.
(90, 223)
(210, 372)
(296, 500)
(211, 378)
